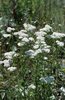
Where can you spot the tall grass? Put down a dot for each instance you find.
(37, 12)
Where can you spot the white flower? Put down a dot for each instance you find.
(38, 51)
(29, 27)
(36, 46)
(31, 38)
(32, 86)
(29, 52)
(40, 33)
(40, 38)
(62, 89)
(20, 44)
(9, 55)
(24, 31)
(6, 63)
(21, 34)
(57, 35)
(61, 44)
(46, 46)
(11, 69)
(6, 35)
(9, 29)
(47, 28)
(45, 58)
(47, 50)
(25, 39)
(17, 33)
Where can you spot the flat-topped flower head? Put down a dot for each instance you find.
(6, 35)
(36, 46)
(40, 33)
(9, 29)
(47, 29)
(29, 52)
(11, 69)
(21, 44)
(25, 39)
(21, 34)
(57, 35)
(61, 44)
(31, 38)
(47, 50)
(9, 55)
(6, 63)
(29, 27)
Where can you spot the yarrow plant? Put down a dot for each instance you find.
(30, 64)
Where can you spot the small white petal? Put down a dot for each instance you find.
(11, 69)
(6, 63)
(45, 58)
(36, 46)
(25, 39)
(9, 29)
(31, 38)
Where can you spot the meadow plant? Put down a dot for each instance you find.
(30, 64)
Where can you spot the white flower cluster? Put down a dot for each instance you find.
(29, 27)
(62, 89)
(11, 69)
(57, 35)
(38, 38)
(6, 35)
(45, 58)
(40, 44)
(8, 59)
(23, 37)
(9, 55)
(21, 34)
(6, 63)
(47, 29)
(61, 44)
(9, 29)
